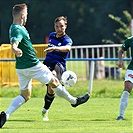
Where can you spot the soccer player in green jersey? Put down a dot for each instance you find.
(128, 84)
(29, 67)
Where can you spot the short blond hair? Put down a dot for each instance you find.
(18, 8)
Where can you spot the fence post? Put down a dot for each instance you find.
(91, 77)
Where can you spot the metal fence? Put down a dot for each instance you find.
(78, 61)
(103, 68)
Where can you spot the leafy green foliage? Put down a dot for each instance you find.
(87, 19)
(124, 29)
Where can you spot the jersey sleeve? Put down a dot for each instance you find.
(16, 36)
(68, 41)
(126, 44)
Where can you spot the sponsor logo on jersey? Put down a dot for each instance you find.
(51, 45)
(130, 75)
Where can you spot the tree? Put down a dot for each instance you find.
(124, 31)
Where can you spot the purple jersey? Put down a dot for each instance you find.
(56, 56)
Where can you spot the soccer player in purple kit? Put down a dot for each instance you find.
(57, 53)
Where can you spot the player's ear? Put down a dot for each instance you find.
(66, 25)
(22, 15)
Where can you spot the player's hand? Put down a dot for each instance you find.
(121, 65)
(18, 52)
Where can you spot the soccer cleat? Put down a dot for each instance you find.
(2, 118)
(45, 116)
(120, 118)
(81, 100)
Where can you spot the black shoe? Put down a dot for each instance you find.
(81, 100)
(2, 118)
(120, 118)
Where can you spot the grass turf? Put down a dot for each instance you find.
(98, 115)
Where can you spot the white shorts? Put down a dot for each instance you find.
(129, 75)
(40, 72)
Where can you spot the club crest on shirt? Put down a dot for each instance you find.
(124, 45)
(59, 44)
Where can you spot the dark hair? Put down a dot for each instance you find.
(18, 8)
(61, 18)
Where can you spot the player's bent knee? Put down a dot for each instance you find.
(54, 83)
(50, 91)
(26, 94)
(27, 98)
(128, 86)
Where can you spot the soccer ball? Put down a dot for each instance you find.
(68, 78)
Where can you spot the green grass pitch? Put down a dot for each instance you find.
(96, 116)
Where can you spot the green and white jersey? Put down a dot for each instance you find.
(18, 33)
(129, 44)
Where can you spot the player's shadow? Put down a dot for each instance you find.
(100, 120)
(22, 120)
(86, 120)
(5, 127)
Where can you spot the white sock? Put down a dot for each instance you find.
(16, 103)
(44, 110)
(62, 92)
(124, 102)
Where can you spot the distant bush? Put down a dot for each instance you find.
(123, 31)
